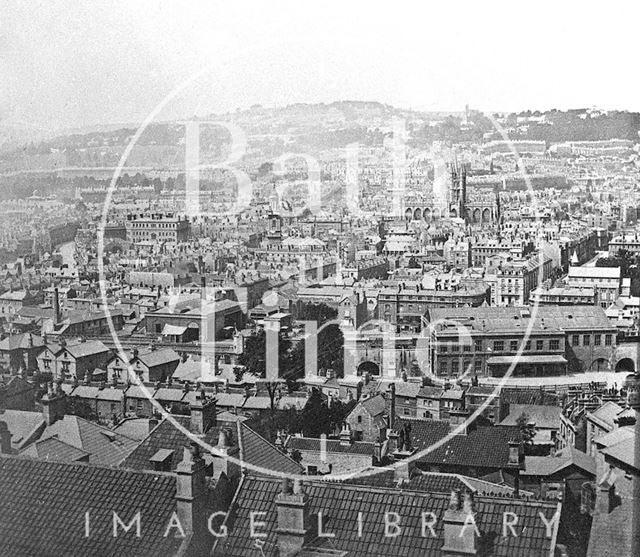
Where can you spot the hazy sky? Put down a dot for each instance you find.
(76, 63)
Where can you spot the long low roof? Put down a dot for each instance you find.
(540, 359)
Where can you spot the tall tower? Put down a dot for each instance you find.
(458, 190)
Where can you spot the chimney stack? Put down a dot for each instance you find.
(203, 413)
(392, 412)
(53, 403)
(460, 530)
(191, 498)
(293, 518)
(345, 435)
(5, 439)
(56, 306)
(203, 288)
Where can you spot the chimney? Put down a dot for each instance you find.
(203, 288)
(203, 413)
(56, 306)
(460, 530)
(392, 412)
(5, 439)
(191, 498)
(514, 464)
(345, 435)
(293, 518)
(53, 403)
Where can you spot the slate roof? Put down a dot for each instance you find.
(158, 357)
(133, 428)
(15, 342)
(87, 348)
(340, 504)
(104, 446)
(44, 506)
(606, 414)
(375, 405)
(24, 426)
(54, 449)
(496, 319)
(545, 417)
(253, 449)
(550, 465)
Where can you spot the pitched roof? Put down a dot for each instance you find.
(15, 342)
(44, 506)
(23, 425)
(549, 465)
(254, 449)
(375, 405)
(87, 348)
(485, 447)
(432, 482)
(545, 417)
(341, 504)
(104, 445)
(157, 357)
(54, 449)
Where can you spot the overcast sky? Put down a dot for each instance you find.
(67, 63)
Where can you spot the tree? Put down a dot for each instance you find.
(296, 455)
(527, 429)
(316, 419)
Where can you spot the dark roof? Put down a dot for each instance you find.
(485, 447)
(340, 504)
(255, 450)
(44, 506)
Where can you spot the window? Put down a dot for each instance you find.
(158, 327)
(477, 366)
(454, 347)
(312, 470)
(554, 344)
(528, 345)
(466, 366)
(444, 348)
(466, 347)
(478, 346)
(359, 419)
(358, 436)
(498, 345)
(597, 340)
(539, 344)
(405, 411)
(455, 364)
(575, 340)
(607, 340)
(586, 340)
(513, 346)
(443, 368)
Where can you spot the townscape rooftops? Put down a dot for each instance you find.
(340, 504)
(254, 449)
(495, 319)
(45, 515)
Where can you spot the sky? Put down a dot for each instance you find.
(77, 63)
